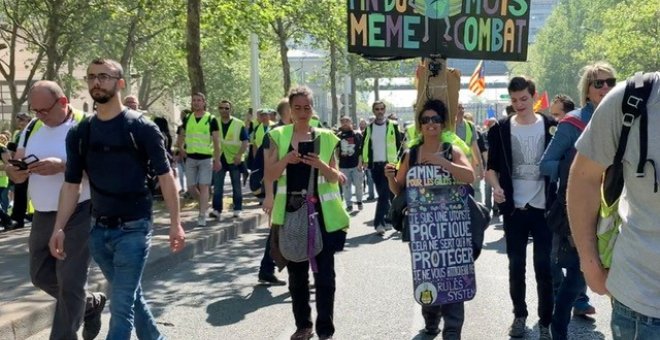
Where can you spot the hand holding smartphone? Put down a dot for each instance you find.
(23, 164)
(305, 147)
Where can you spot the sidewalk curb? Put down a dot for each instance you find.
(34, 313)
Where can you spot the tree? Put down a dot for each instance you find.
(630, 37)
(193, 43)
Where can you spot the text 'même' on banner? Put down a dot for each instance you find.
(465, 29)
(440, 237)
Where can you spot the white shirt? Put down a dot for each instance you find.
(44, 191)
(378, 142)
(527, 146)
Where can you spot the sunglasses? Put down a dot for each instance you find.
(599, 83)
(432, 119)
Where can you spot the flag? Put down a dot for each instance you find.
(543, 102)
(490, 112)
(478, 80)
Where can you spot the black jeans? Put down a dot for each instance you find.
(517, 228)
(384, 194)
(267, 266)
(325, 289)
(19, 210)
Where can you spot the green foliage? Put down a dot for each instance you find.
(579, 32)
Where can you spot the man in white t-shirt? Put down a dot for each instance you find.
(381, 144)
(42, 146)
(516, 145)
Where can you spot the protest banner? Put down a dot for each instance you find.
(440, 237)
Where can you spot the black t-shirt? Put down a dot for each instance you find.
(213, 126)
(350, 148)
(120, 175)
(244, 136)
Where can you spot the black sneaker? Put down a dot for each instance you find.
(349, 208)
(270, 279)
(92, 325)
(359, 205)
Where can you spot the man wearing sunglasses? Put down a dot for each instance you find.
(64, 280)
(516, 144)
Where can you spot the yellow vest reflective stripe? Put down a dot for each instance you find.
(335, 216)
(198, 135)
(4, 179)
(259, 134)
(231, 143)
(390, 140)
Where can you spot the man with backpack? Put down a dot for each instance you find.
(42, 144)
(618, 136)
(115, 148)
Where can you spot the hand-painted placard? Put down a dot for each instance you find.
(440, 237)
(466, 29)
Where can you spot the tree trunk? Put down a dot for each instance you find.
(284, 51)
(333, 83)
(376, 89)
(194, 57)
(353, 100)
(52, 37)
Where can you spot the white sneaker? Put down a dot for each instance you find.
(388, 226)
(237, 213)
(380, 230)
(201, 221)
(215, 214)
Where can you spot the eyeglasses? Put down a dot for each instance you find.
(44, 111)
(223, 108)
(102, 77)
(599, 83)
(430, 119)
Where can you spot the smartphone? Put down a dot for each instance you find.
(22, 164)
(305, 147)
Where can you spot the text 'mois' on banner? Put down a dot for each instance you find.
(465, 29)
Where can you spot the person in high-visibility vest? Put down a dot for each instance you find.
(199, 143)
(467, 131)
(292, 170)
(5, 219)
(382, 141)
(64, 279)
(234, 138)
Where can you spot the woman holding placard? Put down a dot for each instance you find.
(429, 150)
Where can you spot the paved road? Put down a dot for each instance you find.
(216, 296)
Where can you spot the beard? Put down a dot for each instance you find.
(104, 96)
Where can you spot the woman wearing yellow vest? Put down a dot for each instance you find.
(427, 149)
(292, 171)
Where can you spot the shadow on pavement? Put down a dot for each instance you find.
(234, 309)
(498, 246)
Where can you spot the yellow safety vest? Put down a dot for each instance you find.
(36, 124)
(4, 179)
(411, 134)
(198, 135)
(447, 136)
(259, 134)
(231, 143)
(315, 123)
(335, 216)
(390, 140)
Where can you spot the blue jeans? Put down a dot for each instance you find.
(121, 253)
(570, 287)
(353, 177)
(582, 300)
(219, 183)
(369, 183)
(627, 324)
